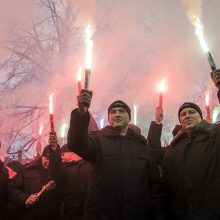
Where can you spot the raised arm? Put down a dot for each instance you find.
(78, 139)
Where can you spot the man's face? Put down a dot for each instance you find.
(118, 118)
(45, 162)
(189, 118)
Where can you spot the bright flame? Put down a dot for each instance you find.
(215, 113)
(207, 99)
(199, 32)
(63, 130)
(162, 85)
(51, 103)
(102, 122)
(40, 130)
(135, 114)
(89, 46)
(79, 74)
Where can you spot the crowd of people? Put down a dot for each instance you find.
(115, 173)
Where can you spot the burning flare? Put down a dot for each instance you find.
(63, 130)
(135, 114)
(40, 130)
(89, 46)
(199, 32)
(101, 122)
(79, 74)
(207, 99)
(162, 85)
(51, 103)
(194, 11)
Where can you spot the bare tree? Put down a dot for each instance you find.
(33, 54)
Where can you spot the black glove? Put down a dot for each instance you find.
(84, 100)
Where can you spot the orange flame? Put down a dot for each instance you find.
(51, 103)
(89, 46)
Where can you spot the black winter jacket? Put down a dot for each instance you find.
(125, 177)
(192, 173)
(30, 180)
(74, 177)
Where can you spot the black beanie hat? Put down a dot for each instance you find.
(120, 104)
(190, 105)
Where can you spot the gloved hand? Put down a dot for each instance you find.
(31, 200)
(84, 101)
(53, 140)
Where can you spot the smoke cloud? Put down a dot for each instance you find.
(136, 43)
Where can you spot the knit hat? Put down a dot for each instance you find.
(120, 104)
(190, 105)
(65, 148)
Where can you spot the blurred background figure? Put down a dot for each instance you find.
(25, 187)
(74, 174)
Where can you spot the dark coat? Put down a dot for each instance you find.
(125, 177)
(74, 177)
(3, 189)
(192, 173)
(30, 180)
(153, 139)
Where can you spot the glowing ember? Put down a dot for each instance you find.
(51, 112)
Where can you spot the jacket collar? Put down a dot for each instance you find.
(204, 128)
(111, 132)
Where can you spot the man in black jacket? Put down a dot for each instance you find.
(192, 166)
(125, 177)
(74, 174)
(24, 189)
